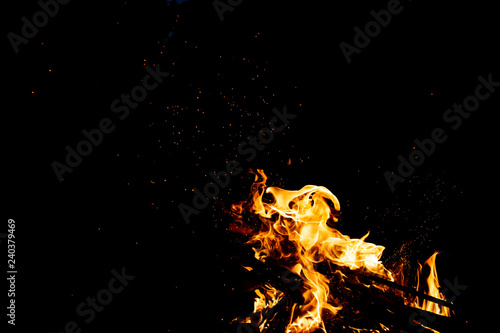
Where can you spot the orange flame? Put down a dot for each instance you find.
(432, 290)
(266, 300)
(296, 228)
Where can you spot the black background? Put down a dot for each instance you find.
(353, 121)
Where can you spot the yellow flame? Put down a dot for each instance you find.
(266, 299)
(296, 229)
(432, 289)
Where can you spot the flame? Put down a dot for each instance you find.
(266, 300)
(297, 230)
(432, 290)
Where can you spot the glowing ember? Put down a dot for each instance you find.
(296, 231)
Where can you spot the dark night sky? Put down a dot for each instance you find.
(119, 207)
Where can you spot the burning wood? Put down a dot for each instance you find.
(339, 275)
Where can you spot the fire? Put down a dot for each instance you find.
(264, 303)
(432, 290)
(297, 230)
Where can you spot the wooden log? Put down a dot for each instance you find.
(409, 290)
